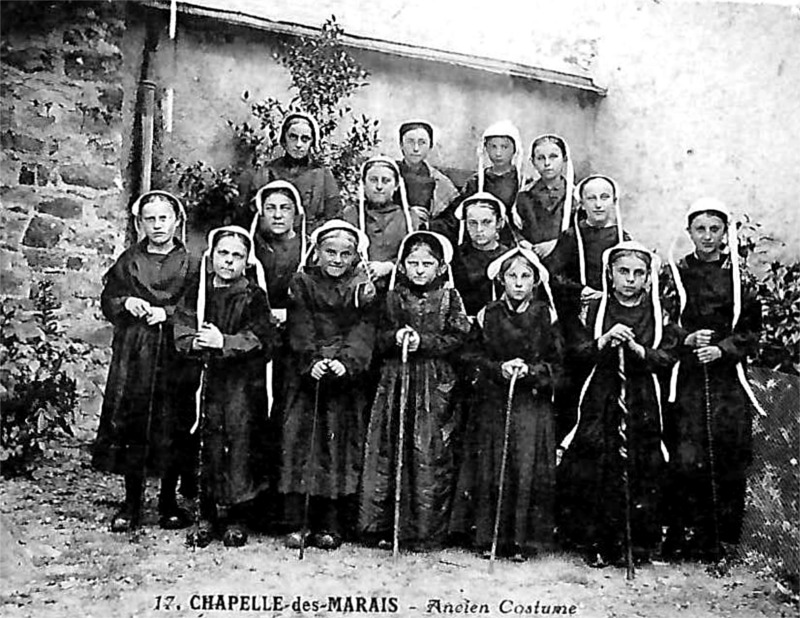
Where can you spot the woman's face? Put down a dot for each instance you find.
(548, 160)
(380, 184)
(278, 216)
(500, 151)
(628, 276)
(229, 258)
(158, 222)
(297, 140)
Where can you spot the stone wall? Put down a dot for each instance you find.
(61, 125)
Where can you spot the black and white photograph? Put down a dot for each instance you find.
(319, 308)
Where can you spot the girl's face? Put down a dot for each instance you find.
(707, 232)
(229, 258)
(379, 185)
(629, 275)
(415, 146)
(278, 216)
(598, 199)
(421, 266)
(336, 255)
(297, 140)
(159, 222)
(548, 160)
(519, 280)
(483, 227)
(500, 151)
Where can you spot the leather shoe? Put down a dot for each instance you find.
(234, 536)
(296, 539)
(124, 520)
(174, 519)
(326, 540)
(201, 535)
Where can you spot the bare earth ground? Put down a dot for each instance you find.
(80, 569)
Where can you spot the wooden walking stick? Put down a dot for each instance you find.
(199, 426)
(711, 461)
(310, 465)
(630, 572)
(401, 435)
(503, 463)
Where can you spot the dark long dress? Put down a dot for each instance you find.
(709, 290)
(280, 258)
(138, 365)
(315, 183)
(323, 323)
(469, 274)
(503, 186)
(527, 514)
(385, 226)
(437, 314)
(541, 210)
(592, 502)
(239, 450)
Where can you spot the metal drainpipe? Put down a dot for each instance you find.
(148, 90)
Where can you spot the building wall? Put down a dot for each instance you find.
(64, 88)
(703, 100)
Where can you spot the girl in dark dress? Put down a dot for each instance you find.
(226, 323)
(299, 137)
(545, 208)
(721, 322)
(517, 332)
(331, 339)
(483, 216)
(591, 488)
(424, 307)
(502, 146)
(141, 433)
(380, 218)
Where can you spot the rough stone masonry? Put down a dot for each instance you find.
(61, 171)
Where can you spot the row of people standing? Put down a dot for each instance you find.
(333, 293)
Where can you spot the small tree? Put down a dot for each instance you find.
(324, 75)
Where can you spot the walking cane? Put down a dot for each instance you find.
(401, 435)
(630, 573)
(711, 461)
(199, 426)
(311, 464)
(149, 422)
(503, 463)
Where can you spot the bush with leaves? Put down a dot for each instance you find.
(779, 293)
(323, 76)
(38, 393)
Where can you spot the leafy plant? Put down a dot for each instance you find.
(38, 394)
(210, 194)
(779, 293)
(324, 75)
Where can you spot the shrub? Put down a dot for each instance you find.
(38, 395)
(324, 75)
(779, 293)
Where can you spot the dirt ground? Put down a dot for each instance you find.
(78, 568)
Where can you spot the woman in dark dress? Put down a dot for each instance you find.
(226, 324)
(422, 305)
(609, 438)
(721, 323)
(299, 136)
(142, 433)
(518, 332)
(331, 337)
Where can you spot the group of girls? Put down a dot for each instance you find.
(419, 350)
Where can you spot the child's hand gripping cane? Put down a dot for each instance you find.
(328, 365)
